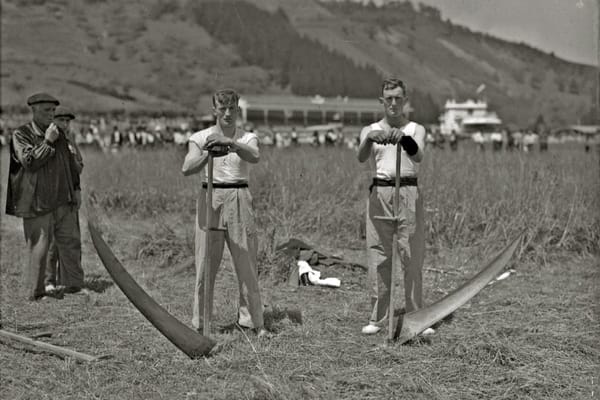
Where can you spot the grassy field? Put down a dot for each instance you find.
(531, 336)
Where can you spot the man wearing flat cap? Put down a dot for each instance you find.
(43, 189)
(62, 119)
(65, 274)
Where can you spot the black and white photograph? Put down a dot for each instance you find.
(299, 199)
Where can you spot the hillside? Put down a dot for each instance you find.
(106, 55)
(451, 61)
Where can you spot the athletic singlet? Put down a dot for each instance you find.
(230, 168)
(383, 162)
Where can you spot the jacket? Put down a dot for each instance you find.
(31, 157)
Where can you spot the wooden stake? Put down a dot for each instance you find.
(59, 351)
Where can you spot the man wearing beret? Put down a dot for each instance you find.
(43, 190)
(66, 274)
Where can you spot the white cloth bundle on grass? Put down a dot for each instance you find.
(309, 276)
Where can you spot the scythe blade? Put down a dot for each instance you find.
(413, 323)
(186, 339)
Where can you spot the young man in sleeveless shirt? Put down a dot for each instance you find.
(378, 145)
(231, 209)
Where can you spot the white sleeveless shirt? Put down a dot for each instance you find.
(229, 168)
(383, 160)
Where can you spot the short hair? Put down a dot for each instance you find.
(393, 83)
(225, 96)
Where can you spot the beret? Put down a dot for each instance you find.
(41, 98)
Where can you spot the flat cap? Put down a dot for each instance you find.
(41, 98)
(63, 112)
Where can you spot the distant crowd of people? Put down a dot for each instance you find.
(516, 140)
(155, 132)
(138, 136)
(321, 137)
(100, 134)
(527, 140)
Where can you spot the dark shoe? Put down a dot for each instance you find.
(71, 289)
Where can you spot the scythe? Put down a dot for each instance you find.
(411, 324)
(186, 339)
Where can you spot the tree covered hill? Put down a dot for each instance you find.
(107, 55)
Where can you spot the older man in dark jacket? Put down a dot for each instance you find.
(43, 189)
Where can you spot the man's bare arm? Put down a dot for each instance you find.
(247, 152)
(368, 138)
(195, 159)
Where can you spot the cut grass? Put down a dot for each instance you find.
(532, 335)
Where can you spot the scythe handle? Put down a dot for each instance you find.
(395, 255)
(207, 256)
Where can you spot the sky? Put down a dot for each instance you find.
(569, 28)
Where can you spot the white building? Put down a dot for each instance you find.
(468, 117)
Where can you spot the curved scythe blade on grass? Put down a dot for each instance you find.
(186, 339)
(411, 324)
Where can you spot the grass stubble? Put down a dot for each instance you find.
(531, 336)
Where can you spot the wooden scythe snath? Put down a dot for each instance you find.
(411, 324)
(186, 339)
(57, 350)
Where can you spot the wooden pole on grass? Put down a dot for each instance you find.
(59, 351)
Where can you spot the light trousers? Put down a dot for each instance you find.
(231, 210)
(411, 249)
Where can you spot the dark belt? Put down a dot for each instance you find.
(404, 181)
(225, 185)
